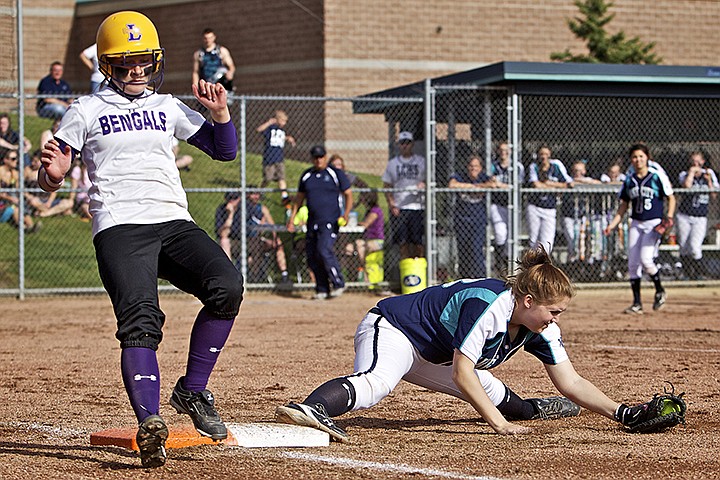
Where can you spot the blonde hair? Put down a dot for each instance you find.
(538, 277)
(336, 156)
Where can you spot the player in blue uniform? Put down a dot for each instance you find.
(446, 338)
(693, 211)
(499, 215)
(645, 191)
(471, 218)
(546, 173)
(323, 186)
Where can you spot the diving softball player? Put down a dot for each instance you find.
(645, 190)
(447, 337)
(142, 229)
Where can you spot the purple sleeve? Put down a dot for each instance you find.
(218, 140)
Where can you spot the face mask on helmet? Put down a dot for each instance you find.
(134, 69)
(128, 40)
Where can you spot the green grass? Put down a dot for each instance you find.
(61, 254)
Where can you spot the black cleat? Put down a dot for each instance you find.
(313, 416)
(554, 407)
(201, 408)
(150, 439)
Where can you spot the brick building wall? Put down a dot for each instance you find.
(339, 47)
(345, 48)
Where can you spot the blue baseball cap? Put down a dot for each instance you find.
(317, 151)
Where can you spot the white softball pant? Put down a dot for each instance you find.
(384, 356)
(691, 233)
(643, 243)
(541, 226)
(499, 220)
(569, 233)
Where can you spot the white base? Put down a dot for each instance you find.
(259, 435)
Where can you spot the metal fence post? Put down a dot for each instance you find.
(243, 188)
(516, 199)
(430, 215)
(21, 151)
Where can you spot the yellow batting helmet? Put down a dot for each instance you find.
(124, 35)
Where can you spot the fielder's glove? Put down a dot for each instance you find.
(664, 227)
(662, 412)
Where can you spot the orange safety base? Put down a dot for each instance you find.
(179, 437)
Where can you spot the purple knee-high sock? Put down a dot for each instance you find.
(207, 340)
(141, 377)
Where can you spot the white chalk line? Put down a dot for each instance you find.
(64, 433)
(50, 430)
(657, 349)
(385, 467)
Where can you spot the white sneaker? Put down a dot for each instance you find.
(320, 296)
(337, 292)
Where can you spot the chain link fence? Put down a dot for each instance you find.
(487, 192)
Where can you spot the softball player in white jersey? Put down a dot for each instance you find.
(645, 190)
(142, 230)
(446, 338)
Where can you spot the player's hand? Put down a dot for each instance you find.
(512, 429)
(291, 226)
(56, 161)
(213, 96)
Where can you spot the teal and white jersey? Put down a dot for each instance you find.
(471, 315)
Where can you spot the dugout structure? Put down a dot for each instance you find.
(584, 112)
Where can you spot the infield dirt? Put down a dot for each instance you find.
(60, 381)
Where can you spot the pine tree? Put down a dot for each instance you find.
(602, 47)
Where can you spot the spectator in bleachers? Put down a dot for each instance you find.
(372, 253)
(47, 135)
(353, 252)
(182, 160)
(575, 211)
(471, 218)
(406, 171)
(9, 178)
(42, 203)
(80, 180)
(502, 172)
(692, 213)
(53, 84)
(228, 228)
(299, 242)
(10, 139)
(545, 173)
(339, 163)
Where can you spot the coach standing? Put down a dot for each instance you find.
(322, 186)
